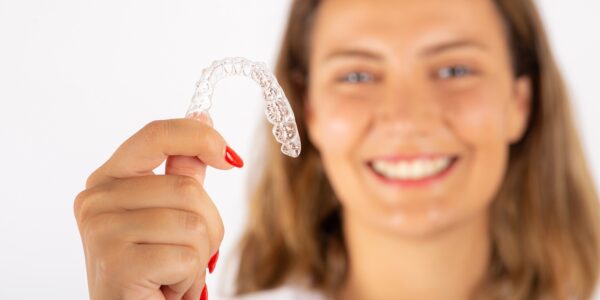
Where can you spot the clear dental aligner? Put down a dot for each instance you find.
(278, 110)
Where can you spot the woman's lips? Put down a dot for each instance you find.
(412, 171)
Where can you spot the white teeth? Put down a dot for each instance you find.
(415, 169)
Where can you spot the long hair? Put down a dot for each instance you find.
(544, 219)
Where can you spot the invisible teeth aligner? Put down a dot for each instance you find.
(278, 110)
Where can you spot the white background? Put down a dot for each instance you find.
(78, 77)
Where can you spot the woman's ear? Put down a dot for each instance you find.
(519, 109)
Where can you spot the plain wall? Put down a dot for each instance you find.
(78, 77)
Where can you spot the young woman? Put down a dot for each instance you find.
(440, 161)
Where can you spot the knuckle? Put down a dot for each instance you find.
(194, 223)
(78, 204)
(186, 187)
(107, 266)
(156, 129)
(91, 179)
(111, 267)
(83, 200)
(189, 258)
(200, 238)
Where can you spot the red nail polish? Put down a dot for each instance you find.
(213, 262)
(204, 295)
(232, 158)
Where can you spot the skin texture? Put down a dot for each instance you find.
(405, 240)
(151, 237)
(147, 236)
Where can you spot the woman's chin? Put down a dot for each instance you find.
(421, 223)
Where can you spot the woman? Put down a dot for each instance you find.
(440, 161)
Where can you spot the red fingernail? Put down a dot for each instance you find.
(213, 262)
(232, 158)
(204, 295)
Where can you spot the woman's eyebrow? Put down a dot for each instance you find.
(452, 45)
(428, 51)
(352, 53)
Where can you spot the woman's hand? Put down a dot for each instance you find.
(148, 236)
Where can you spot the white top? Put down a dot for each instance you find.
(288, 292)
(295, 292)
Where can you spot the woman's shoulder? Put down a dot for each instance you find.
(287, 291)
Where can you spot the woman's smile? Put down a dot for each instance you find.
(440, 161)
(412, 171)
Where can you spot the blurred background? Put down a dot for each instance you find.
(78, 77)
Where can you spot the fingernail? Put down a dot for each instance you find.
(213, 262)
(204, 295)
(232, 158)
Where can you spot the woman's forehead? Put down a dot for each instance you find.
(406, 24)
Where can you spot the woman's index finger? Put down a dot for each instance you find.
(144, 151)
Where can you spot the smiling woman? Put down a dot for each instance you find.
(440, 159)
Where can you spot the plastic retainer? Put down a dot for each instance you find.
(278, 110)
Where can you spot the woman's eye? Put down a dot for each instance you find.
(453, 72)
(357, 77)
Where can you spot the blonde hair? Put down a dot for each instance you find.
(545, 218)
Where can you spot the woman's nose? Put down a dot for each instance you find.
(408, 106)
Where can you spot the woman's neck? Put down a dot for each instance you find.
(446, 265)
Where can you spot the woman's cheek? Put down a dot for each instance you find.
(476, 116)
(341, 124)
(478, 122)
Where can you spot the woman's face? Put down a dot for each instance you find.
(412, 105)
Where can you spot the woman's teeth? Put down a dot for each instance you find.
(411, 170)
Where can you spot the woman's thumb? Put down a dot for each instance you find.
(189, 165)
